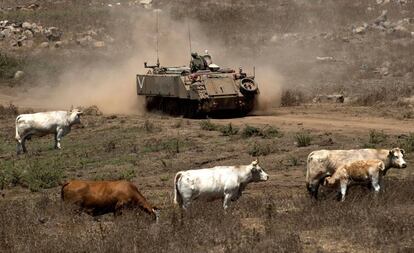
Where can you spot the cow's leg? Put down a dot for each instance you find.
(23, 144)
(375, 184)
(344, 185)
(19, 148)
(227, 198)
(58, 138)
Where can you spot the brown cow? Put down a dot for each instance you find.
(100, 197)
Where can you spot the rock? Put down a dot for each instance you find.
(401, 31)
(360, 29)
(44, 45)
(381, 19)
(19, 75)
(58, 44)
(52, 33)
(85, 41)
(4, 23)
(325, 58)
(7, 33)
(147, 4)
(26, 25)
(28, 34)
(99, 44)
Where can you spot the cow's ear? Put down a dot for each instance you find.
(391, 152)
(80, 113)
(402, 151)
(71, 108)
(255, 162)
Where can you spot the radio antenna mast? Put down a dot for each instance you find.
(157, 30)
(189, 35)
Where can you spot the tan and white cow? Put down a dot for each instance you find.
(58, 123)
(220, 182)
(358, 172)
(323, 163)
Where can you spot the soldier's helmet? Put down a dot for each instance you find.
(194, 54)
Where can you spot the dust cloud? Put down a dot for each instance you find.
(110, 85)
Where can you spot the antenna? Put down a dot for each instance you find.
(157, 30)
(189, 35)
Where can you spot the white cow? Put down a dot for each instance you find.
(360, 172)
(226, 182)
(323, 163)
(58, 123)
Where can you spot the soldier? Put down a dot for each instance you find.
(207, 57)
(197, 63)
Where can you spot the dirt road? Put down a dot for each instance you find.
(316, 119)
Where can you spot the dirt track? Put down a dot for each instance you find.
(341, 121)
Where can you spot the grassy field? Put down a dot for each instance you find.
(148, 150)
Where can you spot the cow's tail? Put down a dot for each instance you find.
(62, 191)
(178, 200)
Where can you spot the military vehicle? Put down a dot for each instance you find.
(209, 92)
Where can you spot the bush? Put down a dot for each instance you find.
(8, 66)
(229, 130)
(10, 110)
(127, 174)
(271, 132)
(43, 177)
(303, 139)
(249, 131)
(260, 149)
(266, 132)
(408, 143)
(208, 125)
(377, 137)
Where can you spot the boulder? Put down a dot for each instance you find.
(28, 34)
(85, 41)
(44, 45)
(52, 33)
(19, 75)
(27, 26)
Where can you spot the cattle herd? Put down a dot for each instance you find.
(326, 167)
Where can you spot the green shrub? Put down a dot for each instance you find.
(229, 130)
(127, 174)
(271, 132)
(408, 143)
(377, 137)
(250, 131)
(293, 160)
(265, 132)
(43, 177)
(303, 139)
(208, 125)
(260, 149)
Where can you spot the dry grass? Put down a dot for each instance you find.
(266, 223)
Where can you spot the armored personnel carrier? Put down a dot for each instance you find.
(209, 92)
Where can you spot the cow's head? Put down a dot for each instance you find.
(258, 173)
(396, 156)
(74, 116)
